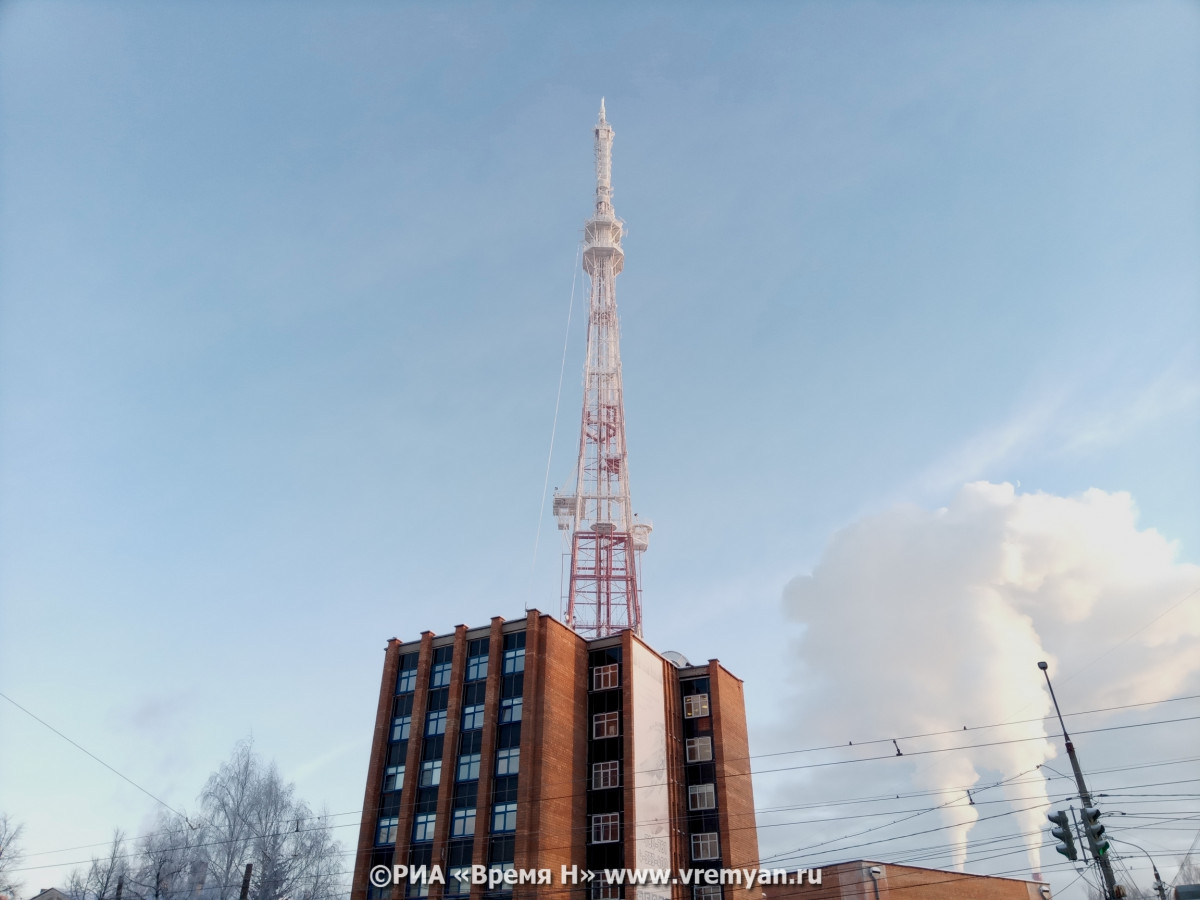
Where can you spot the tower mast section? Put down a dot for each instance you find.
(603, 593)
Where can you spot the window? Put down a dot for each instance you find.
(400, 728)
(440, 675)
(504, 817)
(606, 828)
(602, 890)
(604, 677)
(458, 881)
(472, 717)
(510, 709)
(417, 889)
(406, 680)
(393, 778)
(695, 706)
(504, 789)
(707, 892)
(468, 767)
(606, 775)
(705, 846)
(435, 722)
(514, 660)
(431, 773)
(463, 823)
(387, 830)
(606, 724)
(508, 761)
(702, 796)
(699, 749)
(477, 667)
(423, 827)
(499, 879)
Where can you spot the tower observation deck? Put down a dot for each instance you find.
(604, 538)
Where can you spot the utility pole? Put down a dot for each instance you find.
(1085, 797)
(246, 881)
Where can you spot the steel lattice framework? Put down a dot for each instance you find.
(606, 540)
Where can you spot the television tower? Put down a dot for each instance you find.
(602, 594)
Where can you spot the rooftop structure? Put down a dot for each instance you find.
(604, 536)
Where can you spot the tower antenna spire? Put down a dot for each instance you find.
(603, 590)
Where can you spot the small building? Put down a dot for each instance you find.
(864, 879)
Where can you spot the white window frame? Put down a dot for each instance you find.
(702, 796)
(606, 677)
(699, 749)
(606, 828)
(707, 892)
(606, 725)
(508, 761)
(695, 706)
(603, 890)
(606, 775)
(707, 842)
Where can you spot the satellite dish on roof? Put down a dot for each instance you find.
(677, 659)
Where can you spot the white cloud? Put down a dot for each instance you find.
(927, 620)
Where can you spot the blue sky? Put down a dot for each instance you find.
(283, 290)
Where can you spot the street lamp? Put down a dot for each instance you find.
(875, 872)
(1159, 887)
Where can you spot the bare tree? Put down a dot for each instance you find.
(166, 859)
(248, 814)
(253, 816)
(1189, 871)
(10, 855)
(104, 873)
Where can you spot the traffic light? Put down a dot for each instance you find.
(1095, 831)
(1063, 832)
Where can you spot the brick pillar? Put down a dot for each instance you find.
(441, 831)
(412, 762)
(528, 783)
(735, 792)
(379, 744)
(487, 754)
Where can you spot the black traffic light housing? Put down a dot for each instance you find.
(1063, 832)
(1095, 831)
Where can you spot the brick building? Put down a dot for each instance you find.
(522, 745)
(854, 881)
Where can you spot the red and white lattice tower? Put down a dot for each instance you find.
(606, 540)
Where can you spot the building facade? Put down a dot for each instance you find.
(523, 746)
(865, 880)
